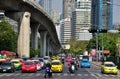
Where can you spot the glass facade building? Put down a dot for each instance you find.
(102, 14)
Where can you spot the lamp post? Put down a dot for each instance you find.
(97, 45)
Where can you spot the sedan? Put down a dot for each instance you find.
(85, 63)
(38, 64)
(17, 63)
(7, 67)
(57, 66)
(29, 66)
(109, 67)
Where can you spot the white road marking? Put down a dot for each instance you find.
(38, 74)
(9, 74)
(17, 74)
(79, 74)
(85, 74)
(72, 74)
(92, 75)
(2, 74)
(65, 74)
(58, 74)
(98, 74)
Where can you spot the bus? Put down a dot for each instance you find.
(6, 56)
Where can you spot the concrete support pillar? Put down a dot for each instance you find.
(43, 35)
(24, 35)
(51, 45)
(34, 35)
(48, 46)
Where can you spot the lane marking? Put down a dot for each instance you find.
(65, 74)
(79, 74)
(9, 74)
(85, 74)
(72, 74)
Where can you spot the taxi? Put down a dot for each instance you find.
(55, 58)
(17, 63)
(56, 66)
(109, 67)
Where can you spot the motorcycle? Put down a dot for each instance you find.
(72, 69)
(48, 73)
(62, 61)
(77, 66)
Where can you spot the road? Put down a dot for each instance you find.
(82, 73)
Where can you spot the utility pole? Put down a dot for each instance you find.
(97, 45)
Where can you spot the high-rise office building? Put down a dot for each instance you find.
(65, 30)
(102, 12)
(68, 8)
(81, 18)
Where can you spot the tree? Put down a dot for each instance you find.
(77, 47)
(109, 43)
(8, 38)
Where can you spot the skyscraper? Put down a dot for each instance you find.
(102, 13)
(68, 8)
(65, 30)
(81, 18)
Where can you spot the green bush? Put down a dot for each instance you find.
(34, 52)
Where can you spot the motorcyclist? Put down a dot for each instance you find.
(70, 66)
(48, 68)
(76, 64)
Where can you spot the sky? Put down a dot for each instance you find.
(57, 4)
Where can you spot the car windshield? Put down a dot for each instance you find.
(28, 63)
(55, 63)
(15, 62)
(2, 56)
(109, 65)
(85, 61)
(36, 62)
(41, 60)
(45, 58)
(6, 64)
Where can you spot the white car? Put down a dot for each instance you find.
(42, 62)
(47, 59)
(38, 64)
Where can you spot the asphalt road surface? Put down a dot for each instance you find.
(82, 73)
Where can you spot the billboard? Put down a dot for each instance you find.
(67, 46)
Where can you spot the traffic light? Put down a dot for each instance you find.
(102, 30)
(97, 31)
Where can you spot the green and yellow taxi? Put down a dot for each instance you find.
(109, 67)
(17, 63)
(57, 66)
